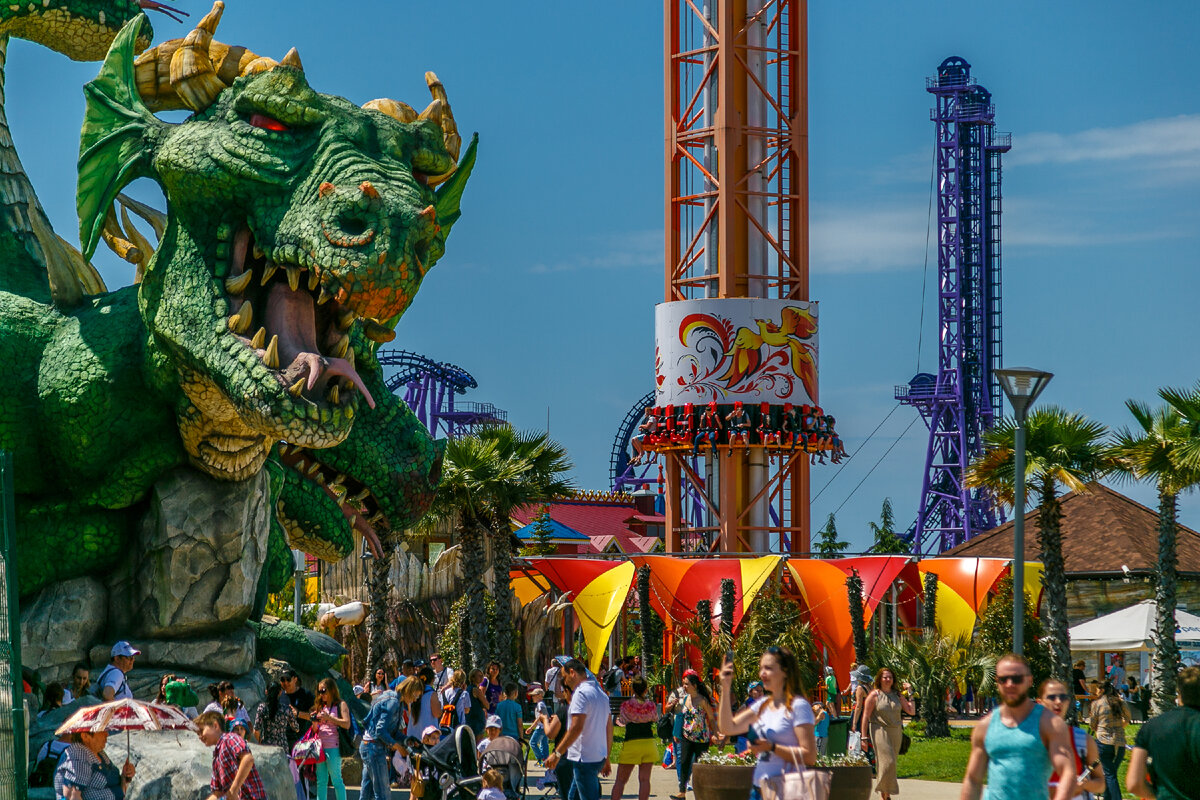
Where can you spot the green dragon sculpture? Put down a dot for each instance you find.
(299, 228)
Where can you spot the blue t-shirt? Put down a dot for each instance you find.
(821, 729)
(509, 712)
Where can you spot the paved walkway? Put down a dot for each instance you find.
(662, 785)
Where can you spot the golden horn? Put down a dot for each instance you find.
(433, 111)
(449, 127)
(393, 108)
(292, 59)
(192, 74)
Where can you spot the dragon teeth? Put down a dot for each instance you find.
(324, 297)
(238, 284)
(358, 498)
(268, 273)
(240, 322)
(342, 347)
(313, 280)
(260, 338)
(334, 395)
(346, 319)
(271, 357)
(293, 277)
(296, 388)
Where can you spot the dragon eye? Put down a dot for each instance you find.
(267, 123)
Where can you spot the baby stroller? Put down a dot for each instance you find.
(453, 761)
(507, 755)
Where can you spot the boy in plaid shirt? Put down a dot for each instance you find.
(234, 775)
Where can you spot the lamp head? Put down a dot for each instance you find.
(1022, 385)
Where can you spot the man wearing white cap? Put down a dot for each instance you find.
(111, 685)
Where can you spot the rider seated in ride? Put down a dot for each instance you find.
(837, 448)
(819, 437)
(710, 428)
(684, 425)
(645, 436)
(739, 425)
(767, 433)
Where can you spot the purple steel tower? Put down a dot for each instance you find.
(963, 399)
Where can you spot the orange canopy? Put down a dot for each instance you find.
(970, 578)
(823, 587)
(677, 585)
(666, 574)
(572, 574)
(878, 573)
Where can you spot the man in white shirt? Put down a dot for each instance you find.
(588, 739)
(111, 685)
(441, 673)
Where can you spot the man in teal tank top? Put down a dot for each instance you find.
(1015, 750)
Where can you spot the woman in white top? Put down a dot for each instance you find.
(782, 719)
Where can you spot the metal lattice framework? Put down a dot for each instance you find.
(737, 225)
(963, 399)
(429, 388)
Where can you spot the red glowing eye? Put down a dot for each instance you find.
(268, 123)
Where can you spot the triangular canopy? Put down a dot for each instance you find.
(877, 573)
(1132, 628)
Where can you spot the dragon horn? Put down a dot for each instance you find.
(393, 108)
(292, 59)
(449, 128)
(192, 74)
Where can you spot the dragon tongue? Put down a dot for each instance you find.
(291, 316)
(340, 366)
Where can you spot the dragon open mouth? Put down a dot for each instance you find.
(353, 498)
(292, 317)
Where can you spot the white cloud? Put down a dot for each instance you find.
(850, 240)
(633, 249)
(1165, 142)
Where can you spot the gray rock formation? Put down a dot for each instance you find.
(197, 559)
(59, 625)
(229, 655)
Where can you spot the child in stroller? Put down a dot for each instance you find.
(506, 755)
(493, 785)
(449, 767)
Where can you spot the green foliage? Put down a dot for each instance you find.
(929, 604)
(540, 544)
(932, 664)
(448, 641)
(828, 545)
(854, 594)
(994, 632)
(887, 542)
(773, 620)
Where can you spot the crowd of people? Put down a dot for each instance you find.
(1023, 744)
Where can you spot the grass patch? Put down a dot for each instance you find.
(935, 759)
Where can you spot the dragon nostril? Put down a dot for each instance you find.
(352, 222)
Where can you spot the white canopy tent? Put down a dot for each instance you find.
(1132, 628)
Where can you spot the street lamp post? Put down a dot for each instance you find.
(1022, 385)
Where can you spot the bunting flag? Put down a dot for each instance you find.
(666, 574)
(823, 587)
(878, 573)
(970, 578)
(598, 606)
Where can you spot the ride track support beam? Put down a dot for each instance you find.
(736, 216)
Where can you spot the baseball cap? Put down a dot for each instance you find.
(494, 722)
(430, 729)
(124, 648)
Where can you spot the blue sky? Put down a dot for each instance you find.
(547, 291)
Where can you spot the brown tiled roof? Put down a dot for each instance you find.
(1101, 530)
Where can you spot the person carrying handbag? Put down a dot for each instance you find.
(780, 728)
(330, 715)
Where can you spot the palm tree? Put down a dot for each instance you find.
(1062, 450)
(484, 477)
(1152, 451)
(472, 472)
(541, 465)
(932, 664)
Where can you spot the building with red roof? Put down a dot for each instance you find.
(612, 522)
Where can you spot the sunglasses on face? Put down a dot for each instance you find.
(1058, 698)
(1018, 679)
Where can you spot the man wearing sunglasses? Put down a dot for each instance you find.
(1020, 744)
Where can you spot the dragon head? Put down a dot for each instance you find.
(299, 229)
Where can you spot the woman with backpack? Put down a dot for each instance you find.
(1110, 715)
(329, 714)
(456, 701)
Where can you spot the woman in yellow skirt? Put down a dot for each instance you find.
(638, 715)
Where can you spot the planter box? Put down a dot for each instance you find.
(722, 782)
(850, 783)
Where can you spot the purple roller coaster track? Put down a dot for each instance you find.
(963, 399)
(429, 388)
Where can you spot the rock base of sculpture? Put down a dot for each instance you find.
(175, 765)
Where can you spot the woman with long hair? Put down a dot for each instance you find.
(377, 684)
(638, 715)
(883, 727)
(477, 713)
(455, 694)
(329, 713)
(1054, 695)
(699, 726)
(273, 720)
(782, 719)
(1110, 715)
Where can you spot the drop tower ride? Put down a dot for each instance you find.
(736, 335)
(963, 399)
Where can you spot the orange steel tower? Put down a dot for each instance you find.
(737, 227)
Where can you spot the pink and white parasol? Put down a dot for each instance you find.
(126, 715)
